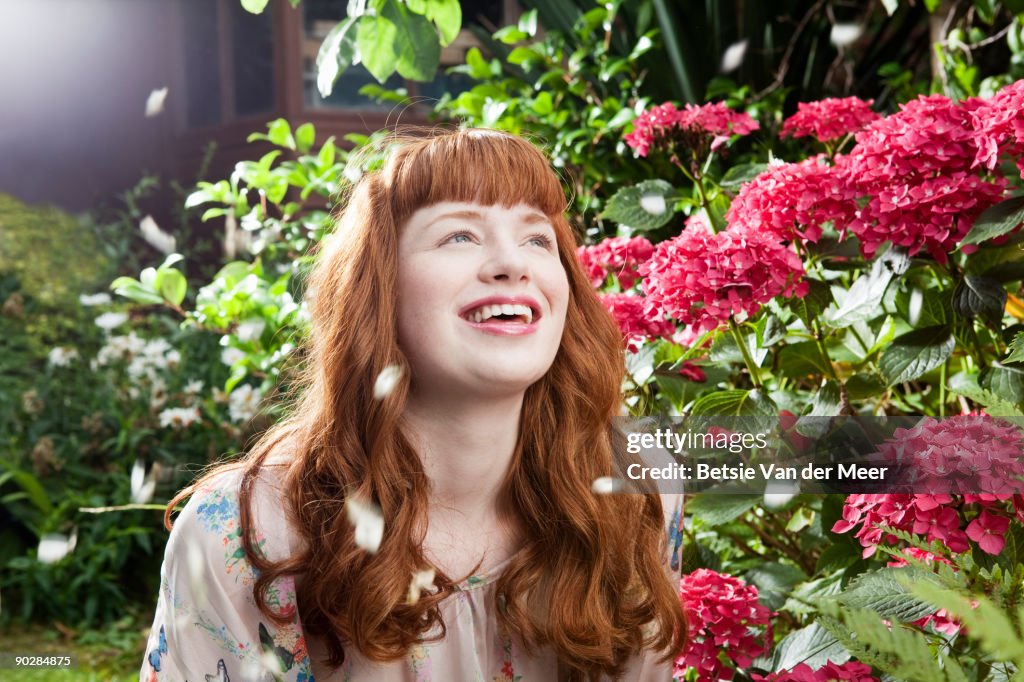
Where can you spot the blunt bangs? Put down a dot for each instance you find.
(480, 166)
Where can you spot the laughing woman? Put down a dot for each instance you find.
(456, 265)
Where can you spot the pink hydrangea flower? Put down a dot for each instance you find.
(928, 515)
(830, 119)
(723, 614)
(794, 200)
(703, 279)
(916, 169)
(620, 256)
(854, 671)
(989, 531)
(691, 127)
(636, 326)
(999, 122)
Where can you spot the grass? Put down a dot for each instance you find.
(113, 654)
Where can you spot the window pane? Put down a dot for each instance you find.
(253, 56)
(202, 72)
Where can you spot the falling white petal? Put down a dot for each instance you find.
(845, 34)
(733, 56)
(138, 476)
(155, 102)
(777, 494)
(94, 299)
(386, 381)
(155, 237)
(53, 547)
(368, 522)
(421, 580)
(606, 485)
(653, 203)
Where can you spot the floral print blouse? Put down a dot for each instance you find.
(208, 629)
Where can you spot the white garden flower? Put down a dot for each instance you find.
(250, 329)
(94, 299)
(157, 393)
(179, 417)
(108, 321)
(244, 403)
(231, 355)
(193, 387)
(61, 356)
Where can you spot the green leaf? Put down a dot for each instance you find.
(735, 402)
(812, 645)
(913, 354)
(415, 42)
(336, 54)
(801, 359)
(646, 206)
(1004, 381)
(996, 221)
(986, 623)
(447, 14)
(883, 592)
(863, 300)
(171, 284)
(305, 135)
(774, 582)
(1016, 349)
(925, 307)
(280, 133)
(254, 6)
(811, 306)
(714, 510)
(375, 38)
(136, 291)
(968, 386)
(980, 296)
(739, 175)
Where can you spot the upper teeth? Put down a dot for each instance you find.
(488, 311)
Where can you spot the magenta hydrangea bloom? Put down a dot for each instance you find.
(830, 119)
(999, 122)
(794, 200)
(854, 671)
(989, 531)
(916, 168)
(636, 326)
(928, 515)
(722, 613)
(703, 279)
(691, 127)
(620, 256)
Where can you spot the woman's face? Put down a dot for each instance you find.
(482, 297)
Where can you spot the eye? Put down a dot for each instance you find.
(542, 240)
(462, 237)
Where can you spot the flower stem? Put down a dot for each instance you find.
(745, 352)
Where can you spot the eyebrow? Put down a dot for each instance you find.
(527, 218)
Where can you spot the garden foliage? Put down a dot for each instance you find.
(835, 258)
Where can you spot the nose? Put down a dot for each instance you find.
(505, 262)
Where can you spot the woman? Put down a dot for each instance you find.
(456, 265)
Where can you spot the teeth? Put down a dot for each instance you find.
(488, 311)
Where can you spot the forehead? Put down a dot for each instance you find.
(484, 214)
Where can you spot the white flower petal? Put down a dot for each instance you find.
(606, 485)
(155, 237)
(368, 522)
(732, 58)
(94, 299)
(155, 102)
(386, 381)
(843, 35)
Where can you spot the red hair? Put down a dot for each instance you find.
(589, 581)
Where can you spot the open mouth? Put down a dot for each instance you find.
(504, 312)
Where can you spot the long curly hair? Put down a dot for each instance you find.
(589, 580)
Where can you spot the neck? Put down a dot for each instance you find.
(466, 449)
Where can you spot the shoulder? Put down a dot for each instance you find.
(212, 515)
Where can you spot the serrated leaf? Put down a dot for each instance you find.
(968, 386)
(635, 206)
(375, 38)
(735, 402)
(1016, 349)
(336, 54)
(883, 592)
(714, 510)
(813, 645)
(774, 582)
(986, 623)
(996, 221)
(864, 298)
(1005, 381)
(979, 296)
(925, 307)
(913, 354)
(811, 306)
